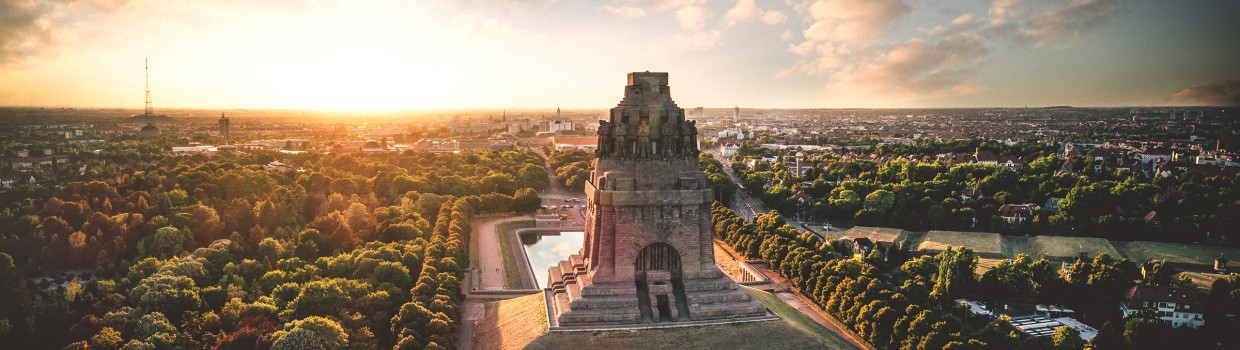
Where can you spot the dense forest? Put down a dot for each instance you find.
(572, 168)
(905, 186)
(323, 251)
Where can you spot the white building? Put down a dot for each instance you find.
(553, 126)
(194, 149)
(1179, 307)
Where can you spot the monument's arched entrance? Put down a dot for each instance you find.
(660, 286)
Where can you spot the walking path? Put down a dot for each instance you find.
(490, 256)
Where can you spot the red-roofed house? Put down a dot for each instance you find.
(1178, 306)
(575, 142)
(1016, 213)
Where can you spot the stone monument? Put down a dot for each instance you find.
(648, 255)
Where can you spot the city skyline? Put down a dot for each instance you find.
(540, 54)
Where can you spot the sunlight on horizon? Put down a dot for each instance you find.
(416, 55)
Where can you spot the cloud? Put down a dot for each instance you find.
(625, 12)
(1217, 93)
(661, 5)
(852, 21)
(1072, 20)
(743, 11)
(23, 28)
(692, 17)
(918, 69)
(773, 17)
(1001, 10)
(848, 43)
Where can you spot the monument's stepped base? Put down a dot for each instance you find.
(709, 293)
(521, 323)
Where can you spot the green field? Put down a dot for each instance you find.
(1182, 253)
(983, 244)
(1057, 247)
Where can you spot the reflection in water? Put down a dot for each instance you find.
(545, 249)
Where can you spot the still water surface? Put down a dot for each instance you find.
(547, 249)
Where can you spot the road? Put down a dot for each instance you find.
(743, 204)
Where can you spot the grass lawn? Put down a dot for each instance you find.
(983, 244)
(1201, 280)
(1057, 247)
(511, 274)
(1182, 253)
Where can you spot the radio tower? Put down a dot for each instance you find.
(150, 111)
(149, 115)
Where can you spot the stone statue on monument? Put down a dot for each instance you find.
(689, 129)
(604, 139)
(669, 139)
(643, 140)
(621, 140)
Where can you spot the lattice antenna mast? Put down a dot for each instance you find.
(149, 110)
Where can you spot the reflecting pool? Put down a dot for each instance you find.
(545, 249)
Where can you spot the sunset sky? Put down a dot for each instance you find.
(399, 55)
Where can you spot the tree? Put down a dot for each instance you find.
(880, 200)
(399, 232)
(154, 328)
(167, 242)
(313, 332)
(1147, 333)
(249, 335)
(526, 200)
(204, 223)
(317, 298)
(107, 338)
(1067, 338)
(955, 273)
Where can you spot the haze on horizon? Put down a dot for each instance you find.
(479, 54)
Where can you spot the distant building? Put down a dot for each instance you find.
(28, 163)
(969, 194)
(574, 142)
(1016, 213)
(1177, 306)
(862, 247)
(1052, 204)
(278, 166)
(374, 146)
(149, 130)
(223, 126)
(1039, 326)
(989, 158)
(558, 125)
(194, 149)
(729, 148)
